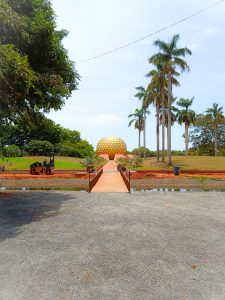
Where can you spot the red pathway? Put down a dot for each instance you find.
(110, 181)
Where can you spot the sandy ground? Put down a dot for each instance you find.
(185, 183)
(72, 245)
(41, 183)
(79, 183)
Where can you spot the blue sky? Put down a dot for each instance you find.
(106, 91)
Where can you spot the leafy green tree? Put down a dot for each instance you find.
(85, 147)
(30, 127)
(16, 80)
(215, 116)
(71, 136)
(80, 149)
(186, 116)
(36, 72)
(12, 151)
(67, 149)
(39, 148)
(171, 57)
(138, 120)
(202, 137)
(147, 152)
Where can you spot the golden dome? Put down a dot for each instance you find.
(111, 145)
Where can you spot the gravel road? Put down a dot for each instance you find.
(72, 245)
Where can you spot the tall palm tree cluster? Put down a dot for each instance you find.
(167, 65)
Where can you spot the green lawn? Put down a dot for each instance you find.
(186, 163)
(23, 163)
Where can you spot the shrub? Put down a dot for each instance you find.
(67, 149)
(147, 152)
(222, 151)
(85, 148)
(39, 147)
(93, 161)
(178, 152)
(80, 149)
(12, 151)
(133, 162)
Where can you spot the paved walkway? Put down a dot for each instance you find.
(110, 181)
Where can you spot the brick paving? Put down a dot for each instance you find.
(110, 181)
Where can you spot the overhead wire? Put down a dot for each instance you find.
(150, 34)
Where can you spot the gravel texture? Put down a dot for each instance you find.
(72, 245)
(56, 183)
(187, 183)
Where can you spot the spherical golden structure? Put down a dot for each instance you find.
(111, 145)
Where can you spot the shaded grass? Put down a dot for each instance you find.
(23, 163)
(186, 163)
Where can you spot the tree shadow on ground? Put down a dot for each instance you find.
(18, 209)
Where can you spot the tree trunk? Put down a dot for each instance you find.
(139, 143)
(163, 124)
(157, 130)
(215, 139)
(169, 120)
(186, 139)
(144, 134)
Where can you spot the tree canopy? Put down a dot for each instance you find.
(202, 136)
(40, 136)
(36, 73)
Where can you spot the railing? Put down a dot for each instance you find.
(126, 178)
(93, 181)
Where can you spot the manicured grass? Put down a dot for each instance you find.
(23, 163)
(186, 163)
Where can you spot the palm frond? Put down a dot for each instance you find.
(163, 46)
(174, 41)
(181, 52)
(181, 64)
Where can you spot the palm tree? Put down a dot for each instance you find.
(154, 97)
(171, 57)
(158, 81)
(174, 112)
(138, 120)
(186, 116)
(216, 117)
(143, 96)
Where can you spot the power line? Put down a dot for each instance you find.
(151, 34)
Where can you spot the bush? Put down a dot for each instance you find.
(201, 151)
(67, 149)
(133, 162)
(93, 161)
(39, 147)
(85, 148)
(80, 149)
(12, 151)
(178, 152)
(222, 152)
(147, 151)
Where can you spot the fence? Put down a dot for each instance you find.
(126, 178)
(93, 181)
